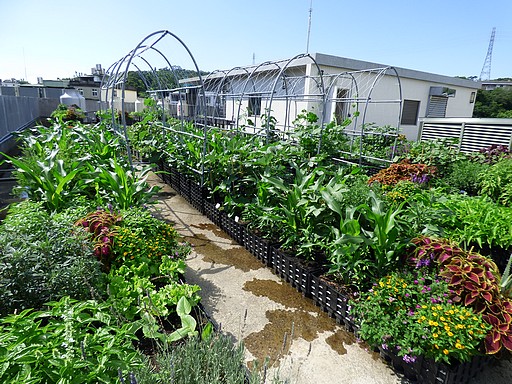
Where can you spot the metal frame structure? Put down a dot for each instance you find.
(245, 99)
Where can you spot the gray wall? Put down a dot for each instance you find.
(18, 112)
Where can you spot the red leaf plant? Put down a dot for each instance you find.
(474, 281)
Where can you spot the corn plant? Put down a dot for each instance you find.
(50, 180)
(122, 187)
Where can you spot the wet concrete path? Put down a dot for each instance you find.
(276, 324)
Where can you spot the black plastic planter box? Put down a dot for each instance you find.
(293, 269)
(331, 300)
(232, 228)
(257, 246)
(212, 212)
(197, 195)
(185, 186)
(429, 372)
(175, 179)
(166, 173)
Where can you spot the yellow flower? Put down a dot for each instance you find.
(436, 346)
(442, 318)
(459, 346)
(459, 326)
(450, 334)
(445, 351)
(435, 335)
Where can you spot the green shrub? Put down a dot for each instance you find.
(464, 175)
(213, 361)
(496, 180)
(42, 259)
(71, 342)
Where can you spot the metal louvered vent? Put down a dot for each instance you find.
(437, 106)
(474, 134)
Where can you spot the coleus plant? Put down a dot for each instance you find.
(404, 171)
(474, 281)
(101, 226)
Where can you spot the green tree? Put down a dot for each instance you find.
(493, 103)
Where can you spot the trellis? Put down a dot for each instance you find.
(262, 99)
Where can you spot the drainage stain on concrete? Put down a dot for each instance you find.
(281, 293)
(339, 339)
(304, 320)
(214, 229)
(212, 253)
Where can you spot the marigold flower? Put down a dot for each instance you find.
(445, 351)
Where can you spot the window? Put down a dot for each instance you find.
(94, 92)
(254, 107)
(80, 91)
(410, 110)
(340, 109)
(472, 97)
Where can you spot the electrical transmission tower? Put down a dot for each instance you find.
(486, 69)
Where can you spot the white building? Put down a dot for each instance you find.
(334, 88)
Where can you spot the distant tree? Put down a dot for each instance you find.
(493, 103)
(164, 78)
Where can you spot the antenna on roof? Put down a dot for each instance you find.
(486, 69)
(309, 24)
(253, 58)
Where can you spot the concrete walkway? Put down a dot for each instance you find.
(276, 324)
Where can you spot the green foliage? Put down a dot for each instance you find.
(409, 312)
(215, 360)
(121, 187)
(367, 243)
(438, 153)
(475, 221)
(71, 342)
(311, 137)
(68, 113)
(496, 182)
(493, 103)
(402, 191)
(50, 180)
(42, 259)
(464, 175)
(506, 280)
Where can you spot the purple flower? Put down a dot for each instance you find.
(409, 359)
(384, 346)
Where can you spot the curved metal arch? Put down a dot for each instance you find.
(222, 82)
(244, 88)
(283, 69)
(380, 74)
(137, 52)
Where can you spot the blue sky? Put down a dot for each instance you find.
(54, 38)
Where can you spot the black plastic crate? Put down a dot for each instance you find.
(257, 246)
(296, 271)
(232, 228)
(197, 196)
(211, 212)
